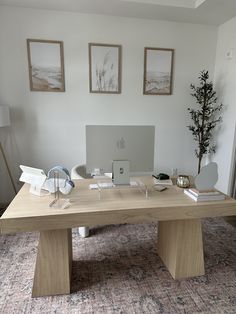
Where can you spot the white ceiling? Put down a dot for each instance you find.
(212, 12)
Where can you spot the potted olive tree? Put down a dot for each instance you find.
(205, 117)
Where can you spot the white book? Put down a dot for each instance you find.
(162, 182)
(202, 198)
(203, 193)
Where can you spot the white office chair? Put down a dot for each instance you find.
(79, 172)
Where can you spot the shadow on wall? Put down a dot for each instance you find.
(6, 189)
(232, 220)
(11, 138)
(221, 87)
(233, 169)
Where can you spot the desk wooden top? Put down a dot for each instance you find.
(28, 212)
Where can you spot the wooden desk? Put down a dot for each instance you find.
(179, 231)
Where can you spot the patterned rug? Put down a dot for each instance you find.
(117, 270)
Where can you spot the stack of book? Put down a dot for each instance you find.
(200, 196)
(162, 182)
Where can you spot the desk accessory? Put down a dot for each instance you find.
(183, 181)
(162, 182)
(4, 122)
(203, 193)
(104, 185)
(64, 184)
(207, 178)
(57, 185)
(161, 176)
(109, 185)
(205, 182)
(204, 196)
(36, 178)
(133, 184)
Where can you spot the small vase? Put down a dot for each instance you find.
(183, 181)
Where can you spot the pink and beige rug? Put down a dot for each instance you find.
(117, 270)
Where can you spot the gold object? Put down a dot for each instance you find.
(183, 181)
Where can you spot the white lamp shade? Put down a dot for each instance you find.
(4, 116)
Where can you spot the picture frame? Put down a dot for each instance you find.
(46, 65)
(104, 68)
(158, 71)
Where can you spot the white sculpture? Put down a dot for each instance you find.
(207, 178)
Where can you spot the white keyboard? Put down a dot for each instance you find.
(108, 185)
(103, 185)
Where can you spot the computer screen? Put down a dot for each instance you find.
(105, 143)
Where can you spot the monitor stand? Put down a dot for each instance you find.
(38, 190)
(121, 172)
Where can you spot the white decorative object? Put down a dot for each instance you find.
(36, 178)
(207, 177)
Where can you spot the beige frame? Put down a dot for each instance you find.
(90, 68)
(145, 71)
(32, 87)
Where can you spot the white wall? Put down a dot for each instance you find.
(49, 128)
(225, 81)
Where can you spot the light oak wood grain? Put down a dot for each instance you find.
(54, 263)
(28, 212)
(180, 247)
(180, 235)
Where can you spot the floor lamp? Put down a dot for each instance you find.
(5, 121)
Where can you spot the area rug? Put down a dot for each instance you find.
(117, 270)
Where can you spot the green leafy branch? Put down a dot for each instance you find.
(205, 118)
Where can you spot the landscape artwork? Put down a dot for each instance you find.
(46, 66)
(105, 68)
(158, 64)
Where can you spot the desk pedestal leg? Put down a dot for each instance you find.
(180, 247)
(54, 263)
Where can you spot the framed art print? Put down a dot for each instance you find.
(46, 65)
(104, 68)
(158, 71)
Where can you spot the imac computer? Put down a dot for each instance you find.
(120, 149)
